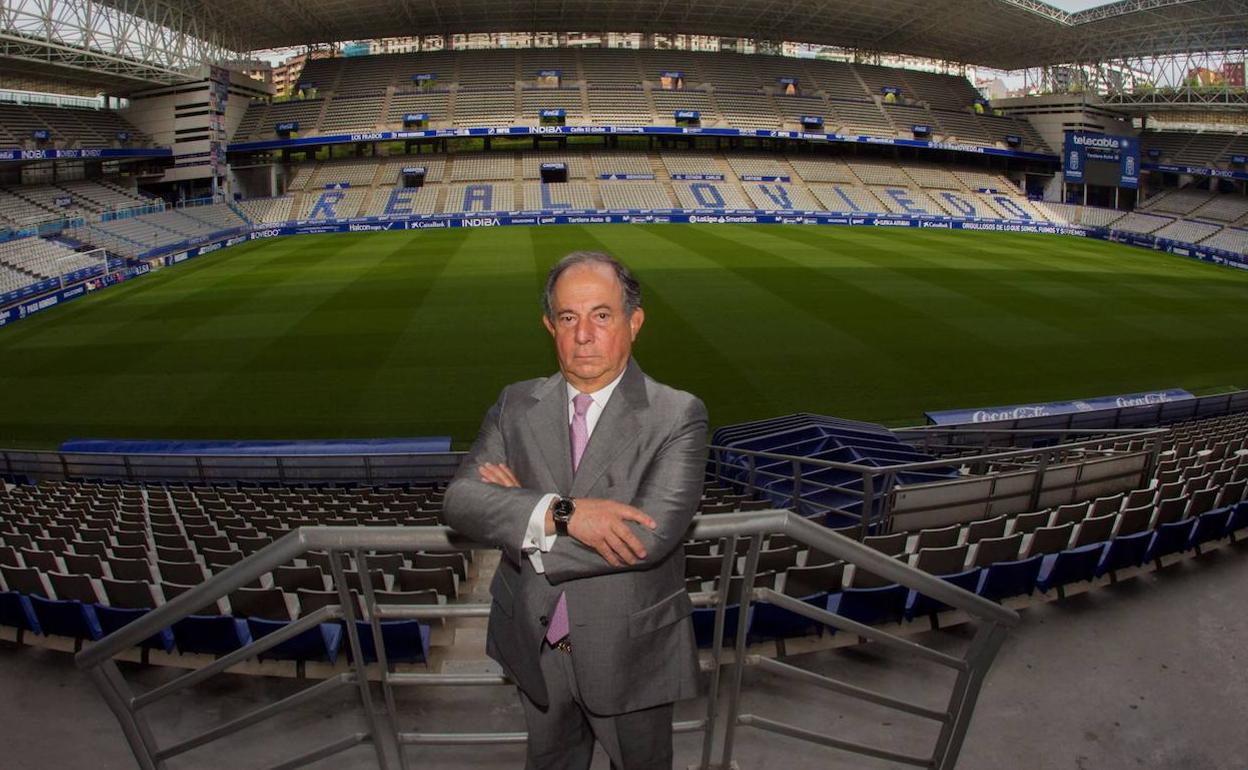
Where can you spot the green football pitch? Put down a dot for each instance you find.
(414, 333)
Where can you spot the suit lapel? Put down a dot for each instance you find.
(548, 420)
(616, 430)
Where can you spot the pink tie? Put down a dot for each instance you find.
(579, 431)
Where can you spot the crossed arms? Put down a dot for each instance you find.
(486, 502)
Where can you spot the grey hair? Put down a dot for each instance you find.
(631, 288)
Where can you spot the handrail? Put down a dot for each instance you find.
(388, 742)
(746, 523)
(922, 464)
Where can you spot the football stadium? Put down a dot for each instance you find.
(963, 288)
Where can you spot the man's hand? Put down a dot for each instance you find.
(603, 526)
(498, 473)
(600, 524)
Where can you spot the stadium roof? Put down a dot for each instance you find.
(1004, 34)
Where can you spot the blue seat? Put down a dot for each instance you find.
(115, 618)
(407, 641)
(320, 643)
(1009, 578)
(16, 612)
(918, 604)
(1210, 526)
(1123, 552)
(772, 622)
(67, 617)
(211, 634)
(704, 624)
(1074, 565)
(1171, 538)
(871, 606)
(1238, 519)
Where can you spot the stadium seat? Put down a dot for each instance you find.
(319, 643)
(770, 622)
(1072, 513)
(1010, 578)
(986, 528)
(812, 579)
(423, 560)
(67, 617)
(1238, 520)
(77, 587)
(406, 641)
(1095, 529)
(1073, 565)
(1170, 538)
(265, 603)
(1047, 540)
(129, 594)
(994, 549)
(441, 579)
(115, 618)
(1027, 523)
(16, 612)
(893, 545)
(871, 606)
(918, 604)
(25, 580)
(1133, 520)
(81, 564)
(290, 579)
(1124, 551)
(211, 634)
(947, 560)
(1210, 526)
(943, 537)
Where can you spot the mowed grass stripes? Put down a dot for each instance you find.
(413, 333)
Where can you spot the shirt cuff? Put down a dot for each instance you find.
(536, 541)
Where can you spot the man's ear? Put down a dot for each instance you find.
(549, 326)
(635, 321)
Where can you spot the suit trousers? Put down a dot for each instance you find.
(562, 735)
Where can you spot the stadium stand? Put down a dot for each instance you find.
(37, 203)
(24, 261)
(64, 542)
(68, 127)
(572, 195)
(1224, 208)
(709, 195)
(1194, 149)
(635, 196)
(1136, 222)
(1231, 239)
(482, 167)
(614, 87)
(133, 236)
(480, 197)
(266, 210)
(1186, 231)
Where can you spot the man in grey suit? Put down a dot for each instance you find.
(588, 480)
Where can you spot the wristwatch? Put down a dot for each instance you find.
(562, 514)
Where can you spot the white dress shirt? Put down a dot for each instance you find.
(536, 541)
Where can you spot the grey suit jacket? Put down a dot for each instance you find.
(632, 640)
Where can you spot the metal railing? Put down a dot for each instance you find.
(383, 731)
(372, 469)
(878, 483)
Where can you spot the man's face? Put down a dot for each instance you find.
(593, 336)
